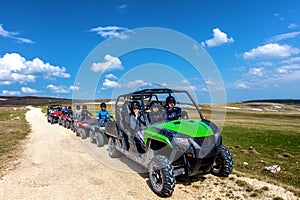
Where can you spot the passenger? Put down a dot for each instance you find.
(156, 115)
(85, 114)
(64, 110)
(103, 114)
(137, 121)
(51, 110)
(70, 111)
(78, 112)
(172, 112)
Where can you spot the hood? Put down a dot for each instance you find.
(192, 128)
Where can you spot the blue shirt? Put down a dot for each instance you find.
(102, 115)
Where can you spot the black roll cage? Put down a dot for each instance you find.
(150, 93)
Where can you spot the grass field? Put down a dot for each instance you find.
(260, 139)
(14, 129)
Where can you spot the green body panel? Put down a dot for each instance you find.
(151, 132)
(192, 128)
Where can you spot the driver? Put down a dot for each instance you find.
(137, 121)
(85, 114)
(103, 114)
(172, 112)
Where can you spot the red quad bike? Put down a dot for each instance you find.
(53, 113)
(82, 127)
(67, 121)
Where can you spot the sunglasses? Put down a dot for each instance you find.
(136, 108)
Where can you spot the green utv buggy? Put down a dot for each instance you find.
(182, 146)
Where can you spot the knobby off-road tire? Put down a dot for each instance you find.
(161, 176)
(68, 125)
(82, 133)
(112, 151)
(92, 138)
(99, 139)
(224, 164)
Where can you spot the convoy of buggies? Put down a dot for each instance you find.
(153, 128)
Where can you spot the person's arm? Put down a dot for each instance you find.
(98, 115)
(133, 122)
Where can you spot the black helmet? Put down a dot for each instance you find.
(135, 104)
(84, 107)
(103, 105)
(70, 108)
(78, 107)
(155, 104)
(170, 99)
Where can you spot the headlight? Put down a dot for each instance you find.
(181, 142)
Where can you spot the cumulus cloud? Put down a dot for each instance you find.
(61, 88)
(110, 31)
(271, 50)
(218, 39)
(16, 69)
(13, 35)
(110, 63)
(288, 68)
(285, 36)
(109, 84)
(111, 76)
(28, 90)
(11, 93)
(242, 86)
(256, 71)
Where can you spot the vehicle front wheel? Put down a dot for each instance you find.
(112, 151)
(81, 133)
(92, 137)
(161, 175)
(223, 165)
(99, 139)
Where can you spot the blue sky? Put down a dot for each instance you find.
(254, 44)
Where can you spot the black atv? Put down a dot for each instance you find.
(180, 146)
(96, 132)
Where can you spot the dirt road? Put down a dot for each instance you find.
(56, 164)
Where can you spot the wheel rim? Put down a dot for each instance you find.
(217, 165)
(156, 177)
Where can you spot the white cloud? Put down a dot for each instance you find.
(110, 31)
(271, 50)
(16, 69)
(288, 68)
(13, 35)
(58, 89)
(256, 71)
(137, 83)
(242, 86)
(27, 90)
(292, 25)
(264, 63)
(291, 60)
(111, 76)
(74, 88)
(210, 81)
(109, 84)
(285, 36)
(218, 39)
(110, 63)
(11, 93)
